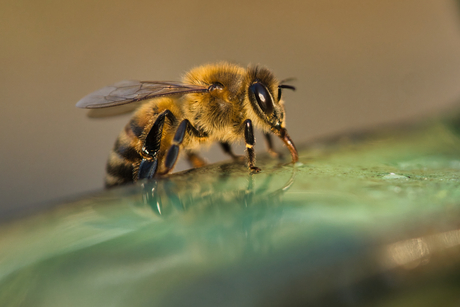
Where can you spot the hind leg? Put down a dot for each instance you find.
(194, 159)
(151, 146)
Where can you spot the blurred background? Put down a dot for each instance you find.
(358, 64)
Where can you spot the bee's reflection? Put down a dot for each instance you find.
(225, 207)
(182, 193)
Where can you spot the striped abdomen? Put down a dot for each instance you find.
(124, 157)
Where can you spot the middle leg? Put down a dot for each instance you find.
(173, 152)
(227, 148)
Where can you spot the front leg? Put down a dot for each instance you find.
(250, 142)
(270, 147)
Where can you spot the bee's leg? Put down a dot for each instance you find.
(270, 148)
(250, 141)
(147, 169)
(151, 146)
(227, 148)
(173, 152)
(194, 159)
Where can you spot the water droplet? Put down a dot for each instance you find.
(395, 176)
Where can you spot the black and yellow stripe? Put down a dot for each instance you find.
(123, 157)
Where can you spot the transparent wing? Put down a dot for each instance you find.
(129, 91)
(114, 111)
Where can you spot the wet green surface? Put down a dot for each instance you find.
(368, 220)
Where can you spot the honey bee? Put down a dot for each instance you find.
(214, 103)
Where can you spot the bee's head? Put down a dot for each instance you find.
(266, 108)
(264, 95)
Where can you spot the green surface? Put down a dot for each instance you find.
(369, 220)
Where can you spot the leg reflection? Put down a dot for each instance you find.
(225, 191)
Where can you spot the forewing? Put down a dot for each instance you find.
(114, 111)
(130, 91)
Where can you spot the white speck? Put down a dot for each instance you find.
(395, 176)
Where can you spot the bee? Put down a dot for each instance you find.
(214, 103)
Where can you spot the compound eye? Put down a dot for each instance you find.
(263, 97)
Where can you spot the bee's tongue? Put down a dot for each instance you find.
(289, 144)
